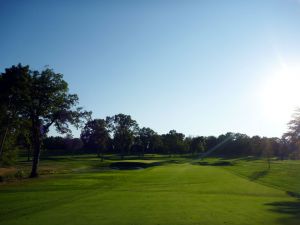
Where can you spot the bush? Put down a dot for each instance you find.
(9, 157)
(295, 155)
(20, 174)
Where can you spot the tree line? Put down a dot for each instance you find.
(33, 101)
(97, 138)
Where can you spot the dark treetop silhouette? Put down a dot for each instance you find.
(42, 98)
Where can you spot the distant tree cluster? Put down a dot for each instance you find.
(121, 135)
(33, 101)
(62, 145)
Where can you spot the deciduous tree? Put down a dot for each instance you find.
(44, 99)
(123, 129)
(95, 135)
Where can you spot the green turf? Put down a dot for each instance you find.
(283, 174)
(166, 193)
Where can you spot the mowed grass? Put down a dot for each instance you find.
(168, 193)
(283, 174)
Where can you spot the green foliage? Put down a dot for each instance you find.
(146, 140)
(196, 145)
(20, 174)
(174, 142)
(41, 98)
(9, 156)
(123, 129)
(95, 135)
(10, 149)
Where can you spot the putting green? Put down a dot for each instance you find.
(164, 194)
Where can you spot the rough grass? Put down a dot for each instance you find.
(171, 192)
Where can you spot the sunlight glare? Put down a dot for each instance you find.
(281, 93)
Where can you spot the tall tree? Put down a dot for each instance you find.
(210, 142)
(24, 137)
(123, 129)
(14, 92)
(293, 134)
(173, 142)
(95, 135)
(255, 145)
(267, 151)
(72, 144)
(146, 137)
(197, 145)
(43, 99)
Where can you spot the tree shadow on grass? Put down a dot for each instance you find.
(132, 165)
(249, 158)
(258, 174)
(218, 163)
(291, 208)
(140, 165)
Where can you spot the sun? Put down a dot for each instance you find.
(281, 93)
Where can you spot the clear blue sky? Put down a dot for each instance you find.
(200, 67)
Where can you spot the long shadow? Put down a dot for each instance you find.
(140, 165)
(294, 194)
(217, 163)
(132, 165)
(249, 158)
(291, 208)
(258, 174)
(136, 157)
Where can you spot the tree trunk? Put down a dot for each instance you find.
(36, 147)
(102, 156)
(6, 131)
(122, 152)
(143, 152)
(28, 154)
(2, 142)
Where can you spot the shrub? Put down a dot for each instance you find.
(9, 157)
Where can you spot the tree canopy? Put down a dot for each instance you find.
(95, 135)
(43, 99)
(123, 128)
